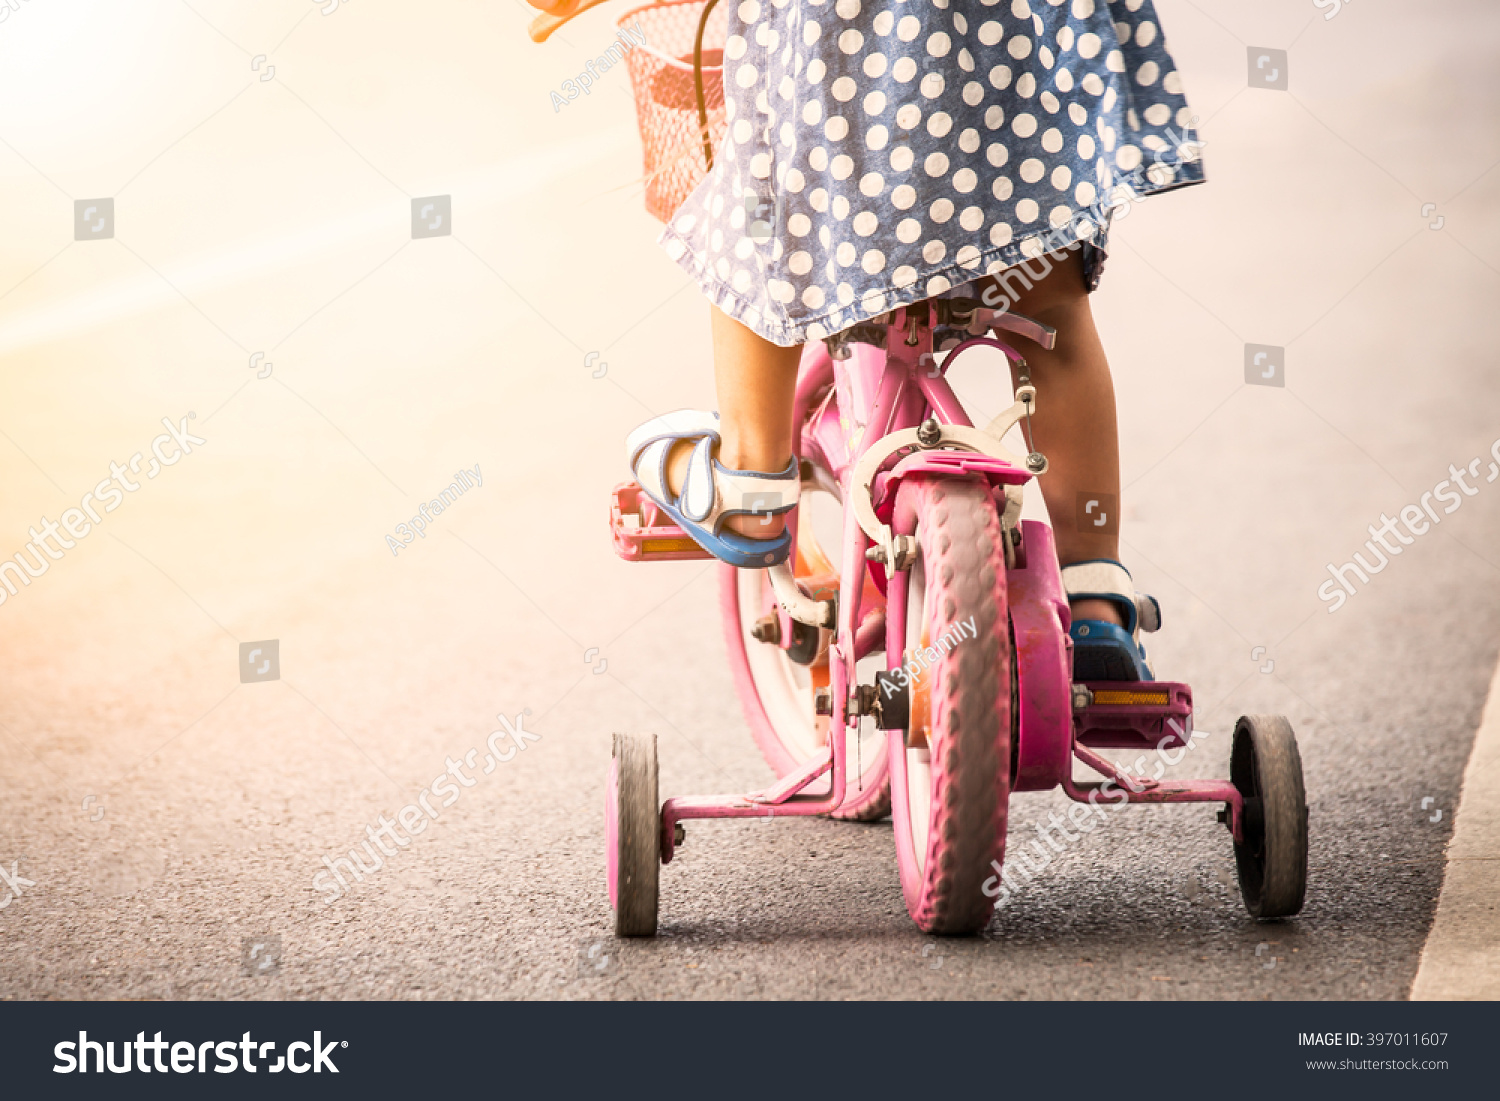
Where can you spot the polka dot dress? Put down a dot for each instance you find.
(880, 152)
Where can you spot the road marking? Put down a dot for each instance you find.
(1461, 960)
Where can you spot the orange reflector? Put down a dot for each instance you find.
(669, 546)
(1115, 696)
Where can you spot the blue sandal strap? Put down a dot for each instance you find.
(1103, 579)
(1106, 652)
(711, 492)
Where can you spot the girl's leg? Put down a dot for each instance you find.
(757, 383)
(1075, 427)
(1075, 421)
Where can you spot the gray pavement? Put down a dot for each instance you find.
(274, 216)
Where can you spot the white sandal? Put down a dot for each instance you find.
(710, 491)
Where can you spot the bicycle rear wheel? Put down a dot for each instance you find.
(950, 809)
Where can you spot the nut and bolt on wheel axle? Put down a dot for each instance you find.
(767, 629)
(905, 547)
(865, 700)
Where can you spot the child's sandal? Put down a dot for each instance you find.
(1104, 651)
(710, 491)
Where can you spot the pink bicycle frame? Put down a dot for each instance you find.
(879, 392)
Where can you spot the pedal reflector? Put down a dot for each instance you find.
(657, 547)
(1119, 697)
(642, 534)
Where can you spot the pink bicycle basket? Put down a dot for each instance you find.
(666, 102)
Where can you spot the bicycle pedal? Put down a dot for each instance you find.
(643, 533)
(1134, 714)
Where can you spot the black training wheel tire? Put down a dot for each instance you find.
(637, 835)
(1272, 860)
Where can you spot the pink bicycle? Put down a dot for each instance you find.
(912, 655)
(910, 557)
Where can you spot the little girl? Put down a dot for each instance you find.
(905, 148)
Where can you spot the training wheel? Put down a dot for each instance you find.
(632, 827)
(1272, 859)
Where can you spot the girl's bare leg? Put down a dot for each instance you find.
(1075, 421)
(757, 383)
(1074, 427)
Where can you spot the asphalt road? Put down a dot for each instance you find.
(171, 818)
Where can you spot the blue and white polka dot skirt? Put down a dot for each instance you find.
(880, 152)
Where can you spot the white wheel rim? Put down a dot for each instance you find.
(785, 687)
(919, 800)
